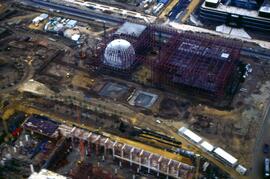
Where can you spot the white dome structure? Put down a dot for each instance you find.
(119, 54)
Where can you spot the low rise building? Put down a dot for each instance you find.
(237, 16)
(40, 18)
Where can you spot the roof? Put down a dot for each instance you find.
(207, 146)
(194, 137)
(235, 10)
(44, 16)
(226, 156)
(241, 169)
(265, 7)
(212, 1)
(71, 23)
(225, 55)
(41, 17)
(129, 28)
(46, 174)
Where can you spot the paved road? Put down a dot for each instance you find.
(256, 53)
(74, 11)
(258, 156)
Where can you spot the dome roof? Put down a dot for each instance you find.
(119, 53)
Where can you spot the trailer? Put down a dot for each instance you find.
(225, 157)
(241, 170)
(207, 146)
(189, 135)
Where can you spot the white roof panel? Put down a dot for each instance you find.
(41, 17)
(235, 10)
(226, 156)
(129, 28)
(212, 1)
(71, 23)
(207, 146)
(44, 16)
(225, 55)
(188, 133)
(265, 9)
(36, 20)
(241, 169)
(182, 130)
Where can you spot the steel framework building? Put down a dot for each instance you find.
(203, 63)
(199, 62)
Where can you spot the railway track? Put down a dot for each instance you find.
(74, 11)
(255, 53)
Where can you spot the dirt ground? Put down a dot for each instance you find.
(234, 130)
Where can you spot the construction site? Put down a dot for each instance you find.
(88, 99)
(199, 63)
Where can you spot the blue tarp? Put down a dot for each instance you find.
(41, 125)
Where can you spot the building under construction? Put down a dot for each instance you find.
(198, 62)
(73, 144)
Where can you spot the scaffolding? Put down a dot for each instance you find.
(202, 63)
(205, 64)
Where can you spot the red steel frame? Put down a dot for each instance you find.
(187, 60)
(194, 60)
